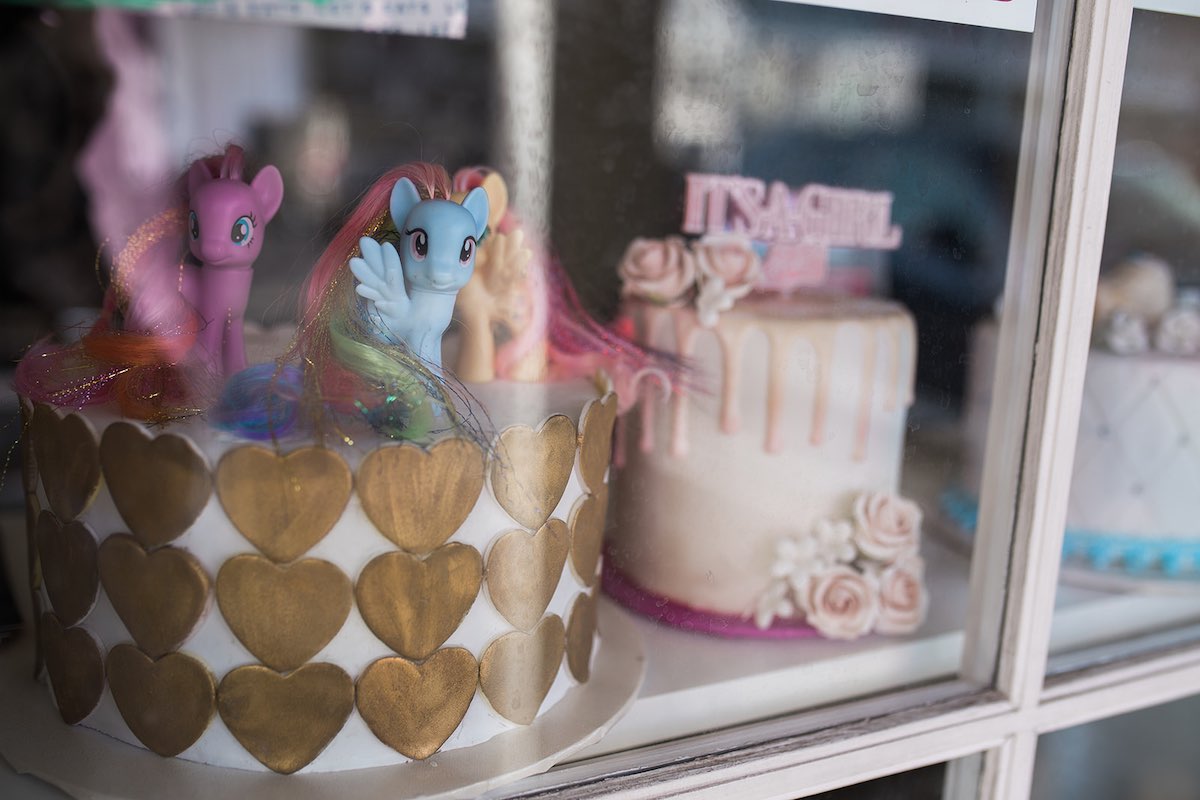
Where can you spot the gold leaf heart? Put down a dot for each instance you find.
(531, 469)
(413, 708)
(67, 554)
(517, 670)
(581, 635)
(283, 504)
(29, 474)
(284, 615)
(523, 570)
(285, 721)
(67, 458)
(160, 485)
(39, 643)
(166, 702)
(595, 441)
(159, 596)
(419, 498)
(33, 511)
(413, 605)
(75, 666)
(587, 534)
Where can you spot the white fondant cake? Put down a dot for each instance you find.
(803, 411)
(560, 633)
(1133, 495)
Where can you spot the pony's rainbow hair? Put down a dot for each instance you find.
(350, 371)
(139, 352)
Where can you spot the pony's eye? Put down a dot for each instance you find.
(468, 250)
(193, 224)
(419, 241)
(242, 232)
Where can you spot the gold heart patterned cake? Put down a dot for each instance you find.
(318, 606)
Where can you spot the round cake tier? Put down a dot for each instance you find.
(312, 606)
(801, 407)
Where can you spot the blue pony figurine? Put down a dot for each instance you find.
(410, 293)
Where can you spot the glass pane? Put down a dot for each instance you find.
(768, 226)
(1149, 753)
(1131, 560)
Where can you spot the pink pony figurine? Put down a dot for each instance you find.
(226, 222)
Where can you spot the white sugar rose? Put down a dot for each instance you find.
(902, 598)
(842, 603)
(662, 271)
(1178, 331)
(888, 526)
(729, 269)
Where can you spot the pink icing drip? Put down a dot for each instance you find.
(775, 372)
(731, 349)
(647, 439)
(685, 337)
(862, 428)
(822, 344)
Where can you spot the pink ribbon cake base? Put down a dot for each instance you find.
(668, 612)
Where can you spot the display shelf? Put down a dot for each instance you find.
(696, 683)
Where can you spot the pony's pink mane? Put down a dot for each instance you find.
(431, 181)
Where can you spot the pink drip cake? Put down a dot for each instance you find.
(761, 501)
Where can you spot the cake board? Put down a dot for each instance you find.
(88, 765)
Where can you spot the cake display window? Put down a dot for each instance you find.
(524, 398)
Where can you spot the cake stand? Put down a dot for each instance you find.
(91, 766)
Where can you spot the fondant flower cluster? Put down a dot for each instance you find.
(847, 578)
(1138, 309)
(712, 272)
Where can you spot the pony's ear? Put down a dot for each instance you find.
(476, 202)
(198, 175)
(268, 188)
(404, 199)
(497, 192)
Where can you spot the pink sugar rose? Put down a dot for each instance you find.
(729, 269)
(662, 271)
(888, 526)
(842, 603)
(902, 598)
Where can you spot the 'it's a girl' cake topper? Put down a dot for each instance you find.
(799, 226)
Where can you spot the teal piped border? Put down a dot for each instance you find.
(1173, 558)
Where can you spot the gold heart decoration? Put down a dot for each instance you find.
(413, 708)
(75, 666)
(67, 460)
(283, 504)
(29, 475)
(160, 596)
(419, 498)
(284, 615)
(67, 554)
(166, 702)
(33, 511)
(523, 570)
(413, 604)
(39, 643)
(160, 485)
(587, 534)
(581, 635)
(517, 670)
(285, 721)
(595, 441)
(531, 468)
